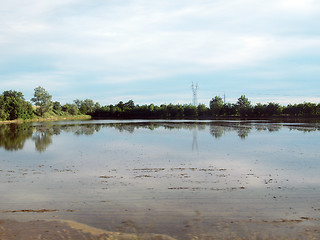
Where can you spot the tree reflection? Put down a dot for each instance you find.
(216, 131)
(42, 140)
(243, 132)
(14, 136)
(85, 130)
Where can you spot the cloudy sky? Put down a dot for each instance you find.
(151, 51)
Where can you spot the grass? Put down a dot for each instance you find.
(49, 116)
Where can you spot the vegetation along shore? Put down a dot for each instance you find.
(14, 107)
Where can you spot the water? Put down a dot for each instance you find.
(181, 178)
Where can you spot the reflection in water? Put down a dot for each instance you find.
(243, 132)
(13, 136)
(42, 140)
(147, 176)
(216, 131)
(195, 140)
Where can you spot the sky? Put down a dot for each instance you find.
(151, 51)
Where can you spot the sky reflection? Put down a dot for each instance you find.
(14, 136)
(104, 173)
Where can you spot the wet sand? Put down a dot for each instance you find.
(66, 229)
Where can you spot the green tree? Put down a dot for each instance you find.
(70, 108)
(129, 105)
(57, 107)
(309, 109)
(229, 109)
(14, 106)
(190, 111)
(317, 110)
(243, 106)
(42, 99)
(216, 105)
(97, 106)
(151, 107)
(175, 110)
(259, 110)
(86, 106)
(273, 109)
(202, 110)
(120, 105)
(3, 113)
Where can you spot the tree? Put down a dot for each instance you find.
(42, 99)
(3, 112)
(190, 110)
(216, 105)
(88, 104)
(120, 105)
(57, 107)
(229, 109)
(273, 109)
(70, 108)
(259, 110)
(175, 110)
(97, 106)
(243, 106)
(129, 105)
(14, 106)
(202, 110)
(309, 109)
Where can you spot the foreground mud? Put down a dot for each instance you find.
(65, 229)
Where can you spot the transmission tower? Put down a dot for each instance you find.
(195, 92)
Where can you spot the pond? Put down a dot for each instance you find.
(226, 179)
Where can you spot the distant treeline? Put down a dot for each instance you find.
(217, 108)
(14, 106)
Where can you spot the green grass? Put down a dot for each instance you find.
(50, 116)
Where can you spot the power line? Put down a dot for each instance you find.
(195, 93)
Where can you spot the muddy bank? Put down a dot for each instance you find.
(64, 229)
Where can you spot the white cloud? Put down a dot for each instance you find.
(305, 6)
(129, 41)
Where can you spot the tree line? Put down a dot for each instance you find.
(217, 109)
(14, 106)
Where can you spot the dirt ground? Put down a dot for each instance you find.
(56, 230)
(66, 230)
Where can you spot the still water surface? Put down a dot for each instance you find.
(181, 178)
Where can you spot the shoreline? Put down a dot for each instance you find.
(222, 118)
(50, 119)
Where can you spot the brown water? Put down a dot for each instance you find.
(182, 178)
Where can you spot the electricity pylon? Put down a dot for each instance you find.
(195, 92)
